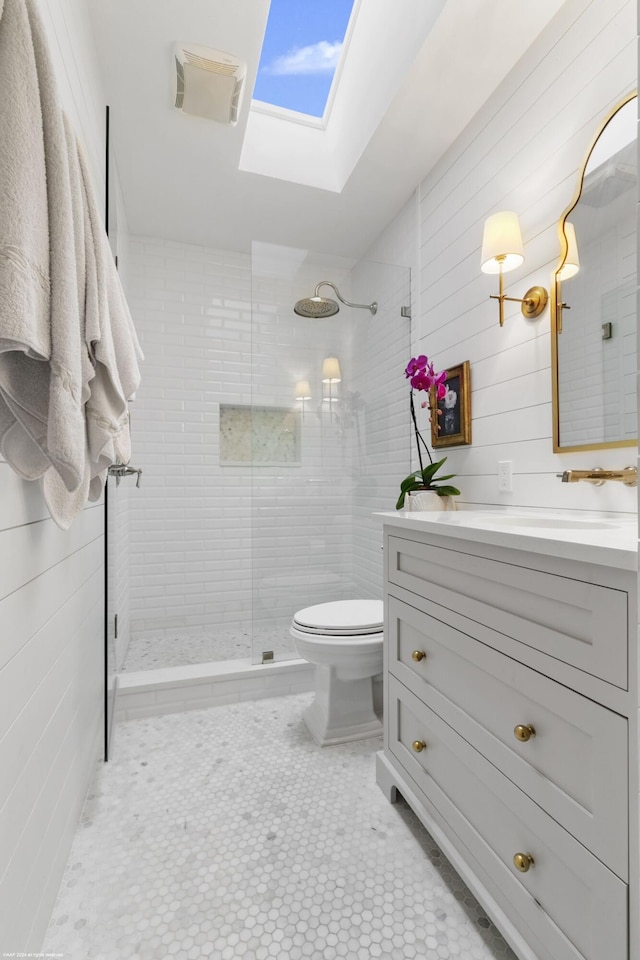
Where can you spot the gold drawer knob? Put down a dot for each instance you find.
(524, 732)
(523, 861)
(418, 655)
(419, 745)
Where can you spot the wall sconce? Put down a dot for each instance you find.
(571, 264)
(303, 392)
(502, 251)
(331, 374)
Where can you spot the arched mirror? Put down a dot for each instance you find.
(593, 306)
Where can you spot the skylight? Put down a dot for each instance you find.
(301, 50)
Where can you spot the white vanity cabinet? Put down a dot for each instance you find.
(510, 705)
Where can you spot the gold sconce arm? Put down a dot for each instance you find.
(533, 302)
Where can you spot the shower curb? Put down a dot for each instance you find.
(151, 693)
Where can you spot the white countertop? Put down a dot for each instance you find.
(611, 541)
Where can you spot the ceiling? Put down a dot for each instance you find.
(181, 176)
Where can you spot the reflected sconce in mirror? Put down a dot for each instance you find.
(502, 250)
(303, 392)
(570, 268)
(597, 283)
(571, 265)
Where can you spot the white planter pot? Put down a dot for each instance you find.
(428, 500)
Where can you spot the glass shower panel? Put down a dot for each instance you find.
(326, 434)
(382, 427)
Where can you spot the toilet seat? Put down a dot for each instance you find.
(341, 618)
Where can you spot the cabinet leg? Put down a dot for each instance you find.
(385, 779)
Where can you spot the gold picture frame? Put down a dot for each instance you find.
(451, 416)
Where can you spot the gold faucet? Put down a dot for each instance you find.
(597, 476)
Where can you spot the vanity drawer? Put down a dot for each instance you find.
(575, 766)
(574, 904)
(568, 620)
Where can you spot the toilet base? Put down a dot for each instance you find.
(342, 709)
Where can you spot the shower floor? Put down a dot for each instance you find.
(186, 648)
(227, 834)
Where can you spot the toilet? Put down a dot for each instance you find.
(344, 640)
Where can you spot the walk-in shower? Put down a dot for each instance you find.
(317, 307)
(256, 502)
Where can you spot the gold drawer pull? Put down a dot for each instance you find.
(523, 861)
(419, 745)
(418, 655)
(524, 732)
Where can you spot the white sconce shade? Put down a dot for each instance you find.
(303, 390)
(331, 370)
(502, 248)
(571, 265)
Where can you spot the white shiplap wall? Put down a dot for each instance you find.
(51, 610)
(521, 152)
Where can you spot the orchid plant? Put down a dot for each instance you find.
(422, 376)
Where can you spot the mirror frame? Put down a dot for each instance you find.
(556, 297)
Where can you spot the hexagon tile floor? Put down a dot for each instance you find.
(158, 652)
(227, 834)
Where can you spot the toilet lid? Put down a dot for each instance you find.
(341, 618)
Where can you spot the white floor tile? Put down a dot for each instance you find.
(226, 834)
(152, 653)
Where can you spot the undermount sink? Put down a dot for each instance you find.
(549, 523)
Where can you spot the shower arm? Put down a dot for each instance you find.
(362, 306)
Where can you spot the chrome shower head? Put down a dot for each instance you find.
(317, 307)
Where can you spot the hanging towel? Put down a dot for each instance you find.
(111, 373)
(68, 350)
(43, 416)
(112, 344)
(64, 504)
(25, 342)
(24, 222)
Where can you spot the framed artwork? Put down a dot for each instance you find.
(451, 416)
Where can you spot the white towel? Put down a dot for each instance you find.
(111, 373)
(68, 351)
(113, 348)
(24, 229)
(64, 504)
(25, 342)
(43, 398)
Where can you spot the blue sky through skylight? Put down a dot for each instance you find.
(302, 47)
